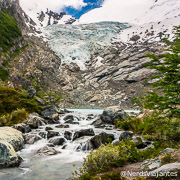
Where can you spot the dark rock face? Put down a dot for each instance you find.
(24, 128)
(51, 134)
(68, 135)
(48, 128)
(31, 138)
(109, 117)
(125, 135)
(35, 121)
(62, 126)
(83, 132)
(43, 134)
(69, 117)
(47, 151)
(100, 139)
(57, 141)
(8, 157)
(98, 123)
(50, 112)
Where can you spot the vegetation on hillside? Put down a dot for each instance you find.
(14, 105)
(162, 124)
(9, 30)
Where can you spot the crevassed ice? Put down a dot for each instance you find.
(76, 43)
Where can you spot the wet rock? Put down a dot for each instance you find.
(57, 141)
(87, 146)
(71, 122)
(47, 151)
(24, 128)
(140, 142)
(12, 136)
(96, 141)
(106, 137)
(51, 134)
(35, 121)
(100, 139)
(125, 135)
(109, 116)
(50, 145)
(8, 156)
(62, 126)
(48, 128)
(69, 117)
(31, 138)
(68, 135)
(83, 132)
(98, 123)
(43, 134)
(50, 112)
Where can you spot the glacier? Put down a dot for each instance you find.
(77, 43)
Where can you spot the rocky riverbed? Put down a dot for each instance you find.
(56, 139)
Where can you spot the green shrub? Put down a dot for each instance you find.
(13, 118)
(112, 176)
(11, 100)
(110, 156)
(4, 74)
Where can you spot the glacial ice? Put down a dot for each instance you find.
(76, 43)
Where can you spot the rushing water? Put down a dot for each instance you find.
(60, 166)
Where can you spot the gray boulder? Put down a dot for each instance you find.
(47, 151)
(50, 112)
(83, 132)
(62, 126)
(100, 139)
(35, 121)
(12, 136)
(51, 134)
(125, 135)
(109, 116)
(8, 156)
(31, 138)
(68, 135)
(24, 128)
(57, 141)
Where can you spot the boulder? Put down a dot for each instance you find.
(100, 139)
(151, 164)
(57, 141)
(48, 128)
(167, 168)
(50, 112)
(69, 117)
(12, 136)
(47, 151)
(24, 128)
(140, 142)
(35, 121)
(68, 135)
(8, 156)
(109, 116)
(31, 138)
(98, 123)
(87, 146)
(62, 126)
(167, 151)
(51, 134)
(83, 132)
(71, 122)
(43, 134)
(125, 135)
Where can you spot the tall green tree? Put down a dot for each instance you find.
(165, 98)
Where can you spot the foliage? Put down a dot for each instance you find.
(11, 100)
(9, 30)
(165, 98)
(112, 176)
(109, 156)
(154, 127)
(14, 117)
(4, 74)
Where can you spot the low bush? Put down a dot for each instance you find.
(16, 117)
